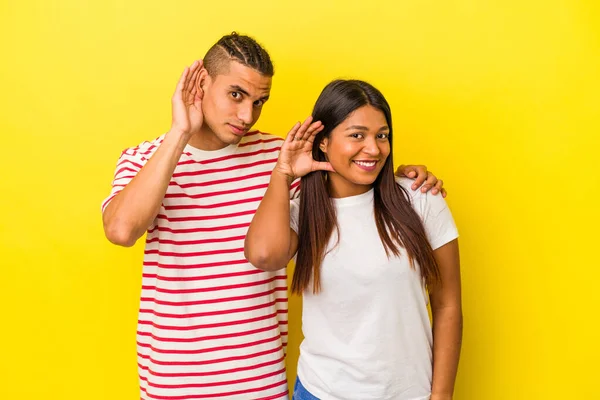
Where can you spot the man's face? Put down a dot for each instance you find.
(233, 101)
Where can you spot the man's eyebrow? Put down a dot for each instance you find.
(239, 89)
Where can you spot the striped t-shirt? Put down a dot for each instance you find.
(211, 326)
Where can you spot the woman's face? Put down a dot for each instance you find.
(357, 150)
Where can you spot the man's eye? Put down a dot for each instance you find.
(259, 103)
(383, 136)
(236, 95)
(356, 135)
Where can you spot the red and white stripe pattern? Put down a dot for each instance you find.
(211, 326)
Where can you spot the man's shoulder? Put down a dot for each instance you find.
(143, 150)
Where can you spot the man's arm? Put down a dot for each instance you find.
(132, 210)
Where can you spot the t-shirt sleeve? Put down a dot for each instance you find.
(294, 214)
(435, 214)
(295, 189)
(129, 164)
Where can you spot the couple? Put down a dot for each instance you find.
(213, 326)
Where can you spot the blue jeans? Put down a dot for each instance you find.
(300, 392)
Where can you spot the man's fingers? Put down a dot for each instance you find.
(409, 171)
(431, 180)
(421, 176)
(192, 68)
(181, 83)
(190, 91)
(198, 102)
(438, 187)
(429, 183)
(190, 84)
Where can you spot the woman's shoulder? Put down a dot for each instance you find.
(406, 184)
(421, 202)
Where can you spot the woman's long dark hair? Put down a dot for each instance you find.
(398, 224)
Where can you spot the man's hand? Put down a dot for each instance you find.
(187, 102)
(133, 209)
(423, 179)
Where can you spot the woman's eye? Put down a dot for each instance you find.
(383, 136)
(356, 135)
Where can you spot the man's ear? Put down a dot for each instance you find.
(202, 81)
(323, 145)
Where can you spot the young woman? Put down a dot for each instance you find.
(370, 256)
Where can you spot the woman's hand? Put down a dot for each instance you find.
(295, 158)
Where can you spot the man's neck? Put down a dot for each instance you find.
(206, 140)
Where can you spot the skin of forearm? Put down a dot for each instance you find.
(268, 239)
(447, 339)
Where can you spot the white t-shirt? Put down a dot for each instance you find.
(367, 333)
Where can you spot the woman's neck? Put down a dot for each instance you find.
(339, 187)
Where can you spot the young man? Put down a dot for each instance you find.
(211, 326)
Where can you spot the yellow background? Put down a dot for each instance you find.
(499, 98)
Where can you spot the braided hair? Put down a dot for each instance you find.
(240, 48)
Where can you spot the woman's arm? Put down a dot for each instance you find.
(271, 243)
(446, 311)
